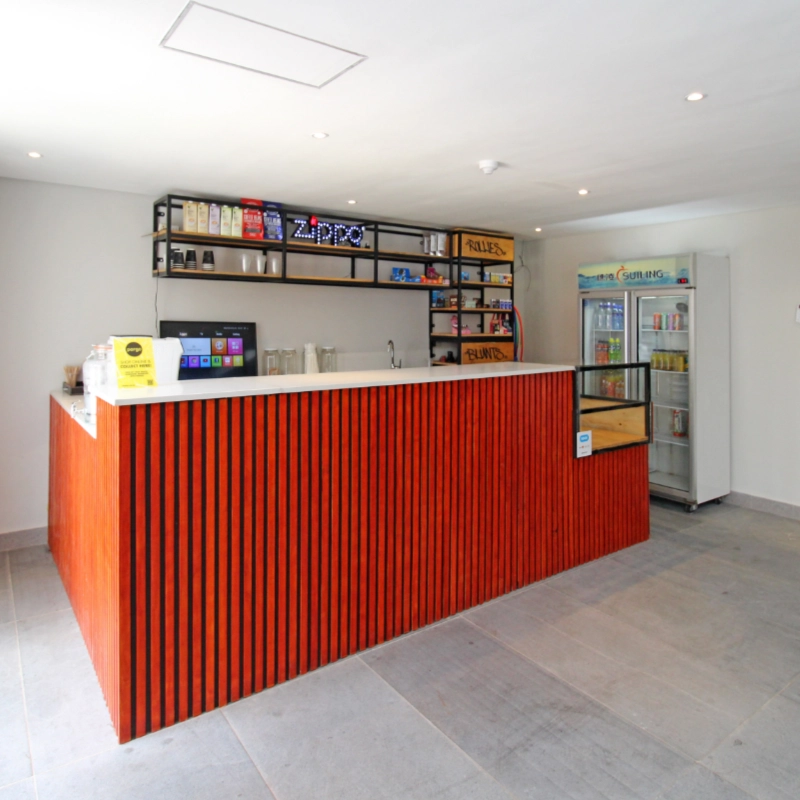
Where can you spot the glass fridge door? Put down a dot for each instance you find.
(663, 328)
(605, 337)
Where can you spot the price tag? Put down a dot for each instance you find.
(584, 444)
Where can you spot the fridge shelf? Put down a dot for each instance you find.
(682, 441)
(669, 480)
(670, 404)
(670, 372)
(663, 330)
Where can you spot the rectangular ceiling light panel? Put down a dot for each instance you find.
(230, 39)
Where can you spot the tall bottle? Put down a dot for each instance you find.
(95, 376)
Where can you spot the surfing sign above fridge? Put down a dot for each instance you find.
(655, 272)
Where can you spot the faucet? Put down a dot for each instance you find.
(392, 365)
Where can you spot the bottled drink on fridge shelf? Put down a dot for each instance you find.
(601, 317)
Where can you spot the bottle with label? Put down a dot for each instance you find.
(96, 374)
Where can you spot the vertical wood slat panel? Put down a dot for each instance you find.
(261, 537)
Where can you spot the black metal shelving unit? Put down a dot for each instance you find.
(450, 266)
(161, 267)
(484, 267)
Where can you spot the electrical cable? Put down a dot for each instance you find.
(523, 267)
(158, 280)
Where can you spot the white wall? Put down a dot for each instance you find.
(75, 267)
(764, 251)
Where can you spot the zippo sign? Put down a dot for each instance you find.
(331, 233)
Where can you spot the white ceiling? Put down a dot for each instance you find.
(564, 94)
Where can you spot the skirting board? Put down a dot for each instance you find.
(751, 501)
(16, 540)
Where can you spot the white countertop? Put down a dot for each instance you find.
(73, 405)
(282, 384)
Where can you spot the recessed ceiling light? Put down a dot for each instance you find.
(695, 96)
(538, 230)
(34, 154)
(320, 135)
(583, 191)
(352, 202)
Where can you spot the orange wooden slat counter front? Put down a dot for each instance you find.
(213, 548)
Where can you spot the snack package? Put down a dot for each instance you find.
(252, 219)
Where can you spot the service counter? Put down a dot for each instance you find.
(218, 537)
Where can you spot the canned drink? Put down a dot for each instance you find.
(656, 322)
(680, 422)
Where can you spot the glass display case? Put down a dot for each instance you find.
(613, 404)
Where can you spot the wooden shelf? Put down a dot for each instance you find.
(482, 310)
(485, 285)
(473, 335)
(602, 440)
(323, 279)
(411, 285)
(184, 237)
(216, 273)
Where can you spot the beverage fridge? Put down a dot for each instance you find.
(673, 312)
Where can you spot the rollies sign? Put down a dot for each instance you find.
(485, 246)
(320, 231)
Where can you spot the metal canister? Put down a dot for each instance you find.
(679, 422)
(656, 322)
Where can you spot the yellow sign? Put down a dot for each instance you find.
(135, 362)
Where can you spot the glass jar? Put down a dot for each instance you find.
(288, 361)
(328, 359)
(96, 373)
(310, 360)
(272, 362)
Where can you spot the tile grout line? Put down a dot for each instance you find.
(622, 663)
(582, 692)
(751, 572)
(664, 793)
(612, 658)
(247, 752)
(624, 719)
(640, 669)
(748, 719)
(22, 677)
(439, 730)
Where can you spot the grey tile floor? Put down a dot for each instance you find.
(668, 671)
